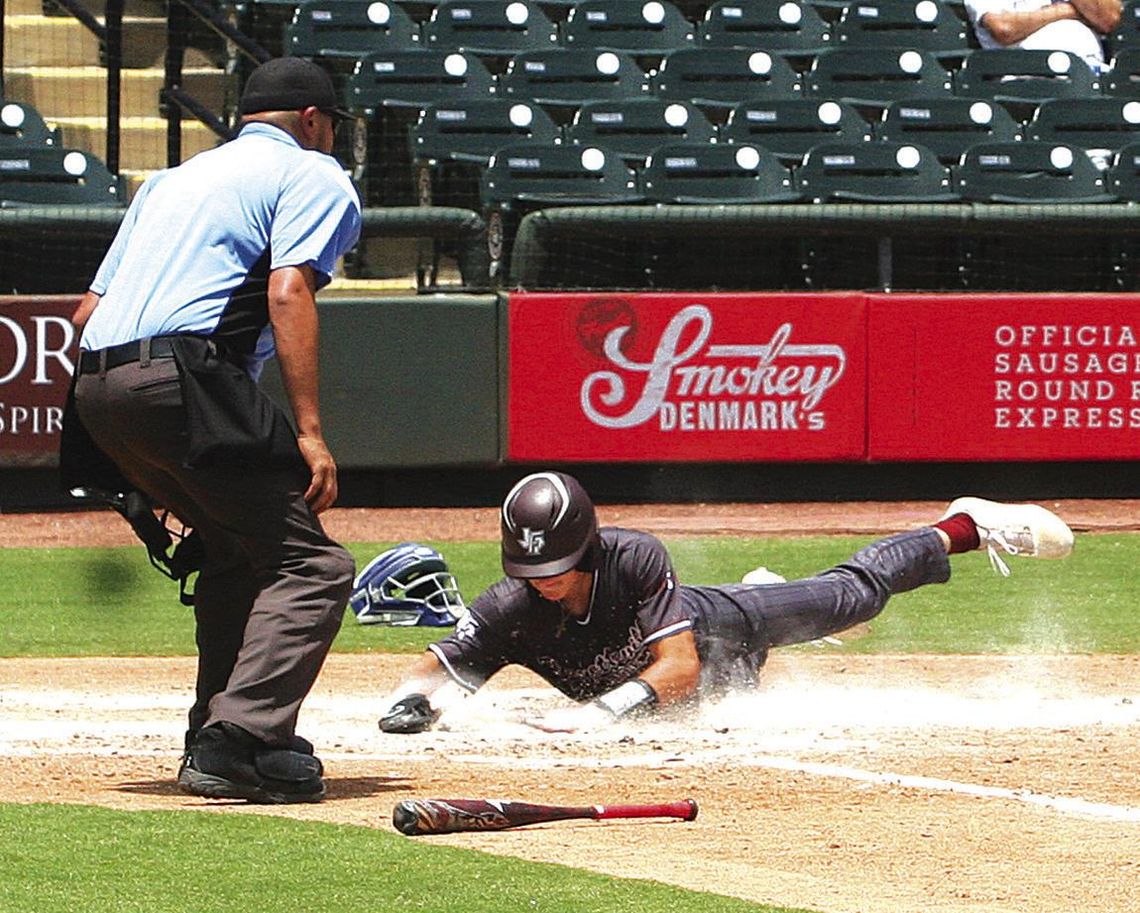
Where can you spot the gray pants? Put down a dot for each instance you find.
(271, 594)
(735, 624)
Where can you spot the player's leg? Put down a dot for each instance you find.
(849, 593)
(857, 590)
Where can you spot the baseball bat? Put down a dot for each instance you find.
(415, 817)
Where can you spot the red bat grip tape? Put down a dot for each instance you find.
(686, 809)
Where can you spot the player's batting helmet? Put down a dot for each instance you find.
(548, 525)
(406, 585)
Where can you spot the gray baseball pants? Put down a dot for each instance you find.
(271, 594)
(735, 624)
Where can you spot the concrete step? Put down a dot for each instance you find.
(23, 8)
(154, 9)
(142, 140)
(39, 41)
(82, 91)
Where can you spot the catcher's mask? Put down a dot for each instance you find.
(548, 525)
(407, 585)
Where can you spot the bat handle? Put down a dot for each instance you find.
(686, 809)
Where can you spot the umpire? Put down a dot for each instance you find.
(215, 266)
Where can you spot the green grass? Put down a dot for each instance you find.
(75, 858)
(110, 602)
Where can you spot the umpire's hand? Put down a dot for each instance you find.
(322, 491)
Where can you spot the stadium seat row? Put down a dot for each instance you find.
(724, 77)
(355, 27)
(534, 174)
(633, 129)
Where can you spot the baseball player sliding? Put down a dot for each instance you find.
(599, 614)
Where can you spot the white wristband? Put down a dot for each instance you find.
(624, 698)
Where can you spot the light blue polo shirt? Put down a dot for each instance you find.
(195, 248)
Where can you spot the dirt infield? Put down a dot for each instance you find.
(879, 784)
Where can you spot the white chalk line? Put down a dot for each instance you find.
(1070, 805)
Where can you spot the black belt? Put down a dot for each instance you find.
(92, 362)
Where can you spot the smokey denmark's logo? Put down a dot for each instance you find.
(693, 385)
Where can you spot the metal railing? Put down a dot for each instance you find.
(174, 100)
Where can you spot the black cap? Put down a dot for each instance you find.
(289, 84)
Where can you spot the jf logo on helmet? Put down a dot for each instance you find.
(407, 585)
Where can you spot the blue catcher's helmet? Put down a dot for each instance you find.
(407, 585)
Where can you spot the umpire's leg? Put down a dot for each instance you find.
(852, 592)
(224, 593)
(302, 580)
(299, 577)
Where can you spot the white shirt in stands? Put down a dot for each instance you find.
(1063, 35)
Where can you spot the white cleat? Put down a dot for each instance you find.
(761, 576)
(1028, 530)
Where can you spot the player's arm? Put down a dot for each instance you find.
(410, 707)
(293, 314)
(672, 676)
(676, 668)
(1009, 26)
(449, 671)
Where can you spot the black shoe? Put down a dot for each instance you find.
(226, 762)
(297, 743)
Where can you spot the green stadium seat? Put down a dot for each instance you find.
(711, 173)
(557, 174)
(879, 172)
(22, 125)
(414, 79)
(633, 128)
(788, 27)
(653, 27)
(1126, 35)
(946, 126)
(875, 77)
(926, 25)
(1018, 75)
(490, 27)
(51, 175)
(724, 77)
(1122, 79)
(349, 28)
(469, 131)
(1097, 125)
(570, 77)
(1029, 172)
(1124, 174)
(790, 127)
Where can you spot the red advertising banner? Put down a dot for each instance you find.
(1004, 377)
(686, 377)
(37, 351)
